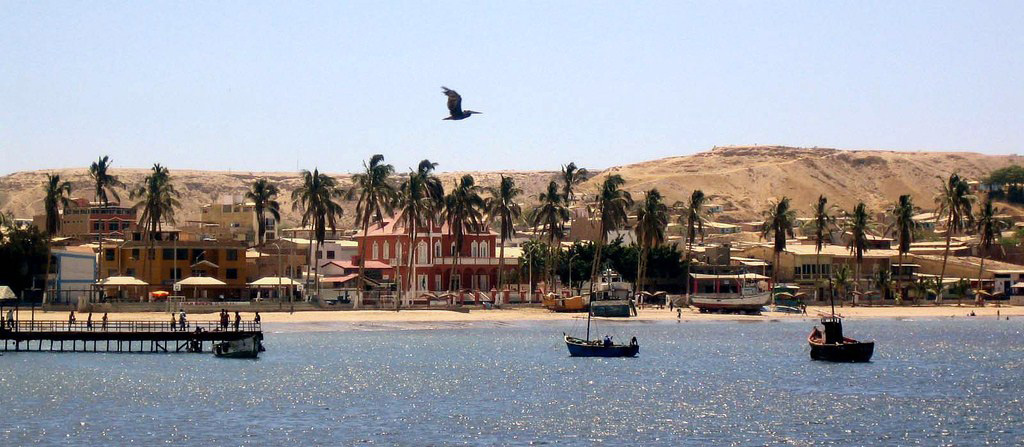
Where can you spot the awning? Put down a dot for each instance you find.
(339, 278)
(6, 293)
(198, 281)
(121, 281)
(752, 276)
(274, 281)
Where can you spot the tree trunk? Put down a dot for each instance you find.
(899, 278)
(977, 296)
(856, 283)
(501, 267)
(945, 257)
(361, 282)
(413, 283)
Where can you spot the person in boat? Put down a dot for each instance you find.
(816, 334)
(633, 342)
(607, 341)
(238, 320)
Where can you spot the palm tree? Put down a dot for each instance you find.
(903, 227)
(989, 229)
(821, 224)
(693, 217)
(501, 206)
(464, 212)
(103, 184)
(778, 223)
(923, 286)
(55, 197)
(158, 200)
(549, 220)
(264, 198)
(841, 279)
(883, 282)
(315, 199)
(954, 201)
(651, 222)
(858, 224)
(572, 176)
(376, 198)
(611, 206)
(416, 206)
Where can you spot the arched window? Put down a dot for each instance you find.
(376, 251)
(437, 249)
(484, 252)
(474, 250)
(398, 251)
(453, 249)
(387, 250)
(421, 254)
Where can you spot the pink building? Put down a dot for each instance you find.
(435, 254)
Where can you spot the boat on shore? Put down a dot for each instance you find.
(831, 346)
(731, 293)
(556, 303)
(245, 348)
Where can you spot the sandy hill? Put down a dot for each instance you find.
(742, 179)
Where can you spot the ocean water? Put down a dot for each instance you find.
(932, 383)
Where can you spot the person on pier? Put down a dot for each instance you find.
(182, 322)
(256, 319)
(88, 321)
(223, 319)
(174, 323)
(105, 318)
(71, 320)
(238, 320)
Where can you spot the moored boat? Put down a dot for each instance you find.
(733, 293)
(557, 303)
(832, 346)
(579, 347)
(245, 348)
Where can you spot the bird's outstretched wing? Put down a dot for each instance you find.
(454, 101)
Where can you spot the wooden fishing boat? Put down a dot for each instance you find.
(246, 348)
(832, 346)
(596, 348)
(557, 303)
(733, 293)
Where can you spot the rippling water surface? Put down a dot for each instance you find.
(935, 382)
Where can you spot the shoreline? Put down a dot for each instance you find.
(517, 315)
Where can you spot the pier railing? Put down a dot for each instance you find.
(126, 326)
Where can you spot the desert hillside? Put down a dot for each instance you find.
(742, 179)
(745, 179)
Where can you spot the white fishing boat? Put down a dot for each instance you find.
(244, 348)
(732, 293)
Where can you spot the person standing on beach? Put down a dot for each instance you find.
(238, 320)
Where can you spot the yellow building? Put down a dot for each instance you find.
(231, 217)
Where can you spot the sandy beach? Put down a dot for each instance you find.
(421, 318)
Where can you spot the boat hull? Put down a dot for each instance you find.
(751, 303)
(571, 304)
(581, 348)
(246, 348)
(847, 352)
(612, 308)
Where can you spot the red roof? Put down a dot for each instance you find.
(396, 227)
(339, 278)
(373, 265)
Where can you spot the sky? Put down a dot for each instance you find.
(281, 86)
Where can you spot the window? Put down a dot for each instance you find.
(330, 254)
(109, 253)
(168, 254)
(113, 226)
(225, 208)
(398, 250)
(129, 272)
(387, 250)
(474, 250)
(95, 226)
(232, 274)
(437, 282)
(484, 253)
(232, 255)
(437, 250)
(319, 254)
(376, 251)
(421, 253)
(199, 273)
(182, 254)
(198, 254)
(453, 250)
(135, 254)
(176, 274)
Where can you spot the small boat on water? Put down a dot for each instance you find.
(596, 348)
(832, 346)
(245, 348)
(732, 293)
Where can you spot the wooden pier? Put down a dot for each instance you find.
(120, 336)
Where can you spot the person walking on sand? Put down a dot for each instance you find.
(238, 320)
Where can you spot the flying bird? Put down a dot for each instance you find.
(455, 105)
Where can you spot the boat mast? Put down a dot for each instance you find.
(590, 311)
